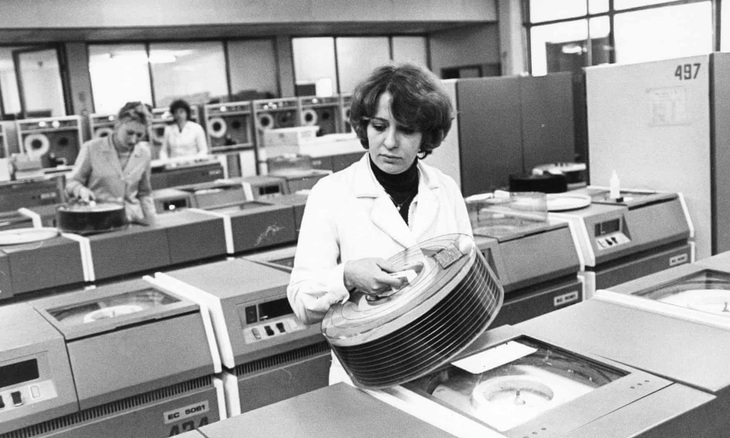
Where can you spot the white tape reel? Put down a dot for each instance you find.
(36, 145)
(217, 127)
(265, 121)
(309, 117)
(103, 132)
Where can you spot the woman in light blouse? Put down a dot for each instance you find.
(116, 168)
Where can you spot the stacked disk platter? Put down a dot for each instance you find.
(401, 335)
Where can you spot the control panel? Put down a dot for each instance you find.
(609, 234)
(271, 329)
(612, 240)
(268, 319)
(28, 394)
(20, 385)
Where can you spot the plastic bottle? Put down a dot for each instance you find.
(614, 186)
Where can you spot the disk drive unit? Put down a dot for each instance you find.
(36, 259)
(229, 126)
(323, 112)
(13, 219)
(517, 384)
(296, 200)
(333, 411)
(186, 236)
(660, 344)
(638, 233)
(697, 292)
(273, 114)
(262, 186)
(55, 140)
(47, 190)
(539, 272)
(127, 359)
(171, 199)
(268, 354)
(197, 170)
(279, 258)
(255, 225)
(214, 194)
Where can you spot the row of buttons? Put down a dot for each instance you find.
(17, 399)
(269, 331)
(609, 241)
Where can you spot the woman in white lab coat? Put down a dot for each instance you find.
(386, 202)
(183, 138)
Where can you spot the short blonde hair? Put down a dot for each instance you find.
(135, 111)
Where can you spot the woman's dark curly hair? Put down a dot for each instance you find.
(419, 103)
(178, 104)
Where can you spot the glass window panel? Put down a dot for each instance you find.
(194, 71)
(597, 6)
(547, 10)
(357, 57)
(626, 4)
(8, 82)
(119, 74)
(41, 83)
(562, 46)
(314, 63)
(252, 64)
(601, 49)
(410, 49)
(675, 31)
(552, 43)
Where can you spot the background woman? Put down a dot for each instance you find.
(116, 168)
(386, 202)
(183, 138)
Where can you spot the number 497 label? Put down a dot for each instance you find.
(685, 72)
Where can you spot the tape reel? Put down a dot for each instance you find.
(285, 119)
(103, 132)
(265, 121)
(309, 117)
(36, 145)
(217, 127)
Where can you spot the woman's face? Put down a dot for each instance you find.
(392, 148)
(180, 115)
(129, 133)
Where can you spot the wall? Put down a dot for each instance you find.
(472, 45)
(24, 14)
(475, 42)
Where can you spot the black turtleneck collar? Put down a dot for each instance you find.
(401, 187)
(399, 181)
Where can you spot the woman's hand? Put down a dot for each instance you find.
(84, 194)
(370, 276)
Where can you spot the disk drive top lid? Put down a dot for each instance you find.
(96, 311)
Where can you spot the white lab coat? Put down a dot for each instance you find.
(349, 216)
